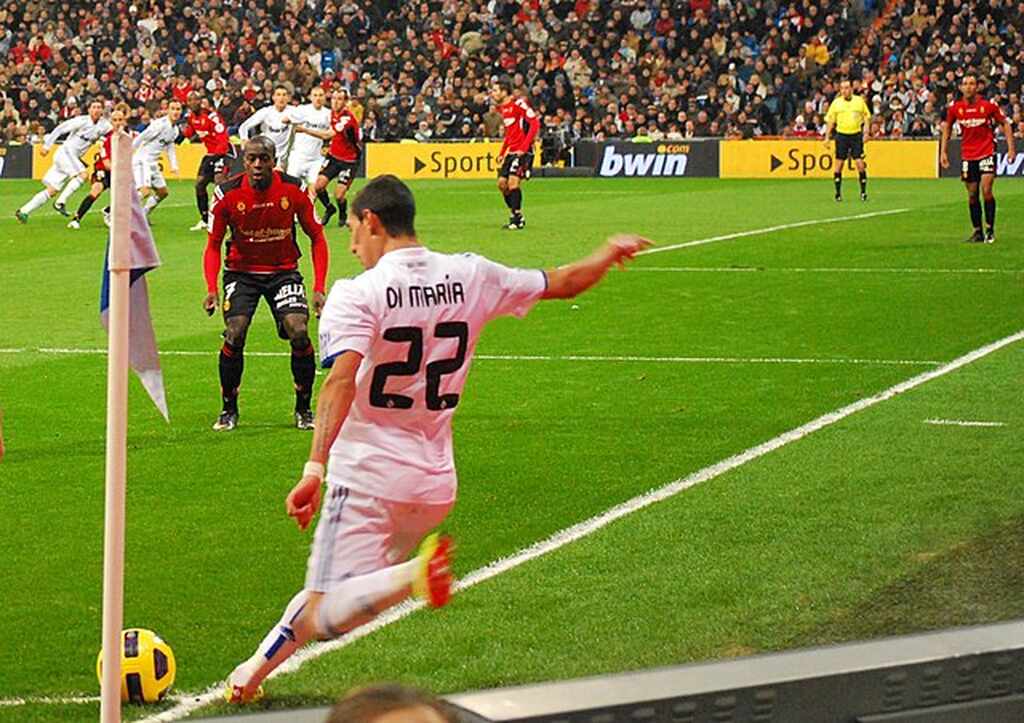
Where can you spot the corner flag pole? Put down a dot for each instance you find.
(120, 263)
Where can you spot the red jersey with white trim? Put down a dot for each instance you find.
(103, 157)
(262, 224)
(521, 125)
(215, 132)
(345, 145)
(977, 123)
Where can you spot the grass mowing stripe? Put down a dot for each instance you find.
(820, 270)
(588, 527)
(770, 229)
(564, 357)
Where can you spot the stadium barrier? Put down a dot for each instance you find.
(812, 158)
(691, 158)
(455, 160)
(967, 675)
(1004, 166)
(15, 161)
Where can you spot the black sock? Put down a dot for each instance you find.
(990, 214)
(323, 197)
(838, 180)
(303, 372)
(232, 361)
(84, 206)
(507, 197)
(863, 182)
(975, 208)
(514, 199)
(342, 211)
(106, 209)
(203, 202)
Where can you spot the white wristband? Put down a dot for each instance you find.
(313, 469)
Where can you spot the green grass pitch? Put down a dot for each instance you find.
(880, 524)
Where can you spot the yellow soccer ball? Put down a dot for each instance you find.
(147, 666)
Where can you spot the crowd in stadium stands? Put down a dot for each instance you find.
(667, 69)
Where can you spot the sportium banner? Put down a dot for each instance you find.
(815, 159)
(435, 160)
(661, 159)
(1004, 166)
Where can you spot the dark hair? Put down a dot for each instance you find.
(393, 203)
(368, 704)
(282, 86)
(266, 143)
(505, 83)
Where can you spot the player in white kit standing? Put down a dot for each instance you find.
(274, 122)
(159, 137)
(306, 156)
(398, 340)
(79, 133)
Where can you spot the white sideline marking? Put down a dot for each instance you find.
(769, 229)
(587, 527)
(563, 357)
(822, 270)
(962, 423)
(48, 700)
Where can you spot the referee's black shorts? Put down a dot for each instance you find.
(849, 145)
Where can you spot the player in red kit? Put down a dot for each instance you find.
(207, 126)
(342, 162)
(516, 158)
(977, 119)
(101, 168)
(260, 207)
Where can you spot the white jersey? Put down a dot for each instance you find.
(304, 146)
(415, 317)
(158, 137)
(81, 133)
(276, 126)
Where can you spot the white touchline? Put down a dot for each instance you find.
(769, 229)
(822, 270)
(588, 527)
(555, 358)
(962, 423)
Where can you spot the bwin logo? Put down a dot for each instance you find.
(1006, 167)
(642, 164)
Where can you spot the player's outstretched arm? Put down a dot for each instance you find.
(335, 399)
(565, 282)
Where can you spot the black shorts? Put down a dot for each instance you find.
(972, 171)
(284, 292)
(849, 145)
(213, 166)
(516, 164)
(344, 171)
(100, 175)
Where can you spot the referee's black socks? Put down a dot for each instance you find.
(863, 182)
(230, 364)
(303, 373)
(837, 178)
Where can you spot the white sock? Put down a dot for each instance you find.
(279, 642)
(151, 201)
(358, 596)
(72, 185)
(35, 202)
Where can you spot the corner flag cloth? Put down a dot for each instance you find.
(143, 355)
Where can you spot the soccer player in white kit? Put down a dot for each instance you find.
(79, 133)
(306, 156)
(159, 137)
(274, 122)
(398, 340)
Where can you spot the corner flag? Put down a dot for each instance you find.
(143, 356)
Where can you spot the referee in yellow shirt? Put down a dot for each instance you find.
(849, 117)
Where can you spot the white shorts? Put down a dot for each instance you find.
(148, 175)
(358, 534)
(64, 167)
(305, 168)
